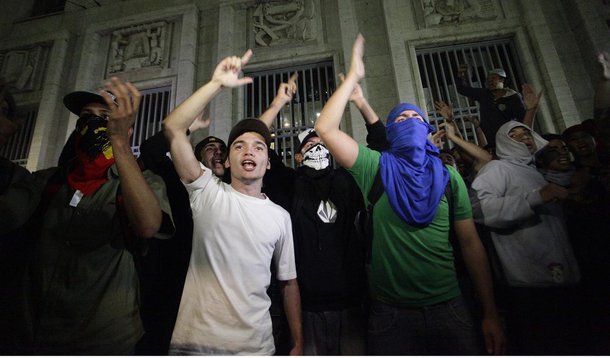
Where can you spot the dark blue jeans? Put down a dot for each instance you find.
(441, 329)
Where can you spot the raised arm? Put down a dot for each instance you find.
(376, 137)
(358, 99)
(343, 147)
(284, 95)
(141, 205)
(601, 102)
(175, 125)
(531, 100)
(476, 123)
(480, 155)
(462, 85)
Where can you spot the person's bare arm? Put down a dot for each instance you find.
(199, 123)
(180, 119)
(343, 147)
(482, 139)
(292, 308)
(476, 262)
(141, 205)
(358, 99)
(480, 155)
(284, 95)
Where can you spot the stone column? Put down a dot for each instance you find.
(187, 56)
(400, 20)
(348, 27)
(46, 139)
(221, 107)
(557, 88)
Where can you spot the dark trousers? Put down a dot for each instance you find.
(341, 332)
(442, 329)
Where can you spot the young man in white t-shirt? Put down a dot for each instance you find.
(238, 231)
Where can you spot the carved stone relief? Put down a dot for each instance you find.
(137, 47)
(282, 22)
(441, 12)
(23, 69)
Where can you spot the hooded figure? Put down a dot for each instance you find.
(528, 234)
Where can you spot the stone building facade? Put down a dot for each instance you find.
(50, 48)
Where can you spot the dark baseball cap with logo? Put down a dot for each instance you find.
(75, 101)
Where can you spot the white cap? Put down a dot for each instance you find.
(305, 133)
(498, 71)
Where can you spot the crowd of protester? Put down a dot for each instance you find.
(492, 246)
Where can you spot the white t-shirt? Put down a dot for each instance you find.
(225, 307)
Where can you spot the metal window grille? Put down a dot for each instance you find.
(17, 149)
(316, 84)
(438, 68)
(154, 107)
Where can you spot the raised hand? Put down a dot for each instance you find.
(475, 121)
(200, 123)
(449, 128)
(357, 65)
(286, 91)
(530, 98)
(228, 70)
(446, 110)
(122, 113)
(437, 139)
(357, 94)
(604, 59)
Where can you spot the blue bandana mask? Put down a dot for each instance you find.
(413, 176)
(410, 134)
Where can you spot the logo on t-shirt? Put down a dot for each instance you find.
(327, 212)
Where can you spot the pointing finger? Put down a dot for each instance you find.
(246, 57)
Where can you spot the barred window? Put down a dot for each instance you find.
(316, 84)
(154, 107)
(438, 68)
(17, 149)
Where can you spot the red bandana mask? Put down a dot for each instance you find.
(94, 155)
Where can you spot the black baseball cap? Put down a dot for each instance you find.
(249, 125)
(206, 141)
(75, 101)
(304, 137)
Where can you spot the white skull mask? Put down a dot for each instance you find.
(317, 157)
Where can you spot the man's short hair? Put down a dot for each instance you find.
(206, 141)
(75, 101)
(249, 125)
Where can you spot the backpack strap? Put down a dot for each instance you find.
(376, 190)
(458, 259)
(364, 217)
